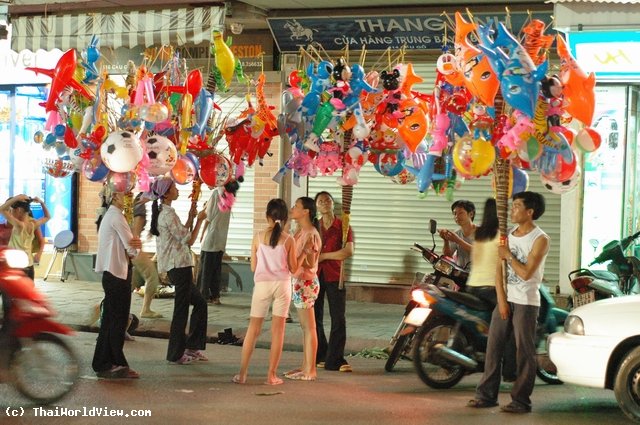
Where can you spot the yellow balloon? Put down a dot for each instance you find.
(473, 157)
(76, 120)
(225, 61)
(79, 73)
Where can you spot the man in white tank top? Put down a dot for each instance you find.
(525, 254)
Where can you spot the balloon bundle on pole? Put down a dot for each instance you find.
(347, 197)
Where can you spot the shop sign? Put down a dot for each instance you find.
(376, 32)
(13, 64)
(610, 54)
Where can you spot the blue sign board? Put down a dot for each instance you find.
(378, 32)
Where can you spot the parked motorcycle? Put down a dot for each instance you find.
(620, 278)
(453, 330)
(446, 274)
(33, 357)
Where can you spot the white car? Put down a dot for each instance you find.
(600, 347)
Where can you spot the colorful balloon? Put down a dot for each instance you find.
(121, 151)
(215, 170)
(184, 171)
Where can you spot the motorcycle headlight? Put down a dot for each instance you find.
(14, 258)
(574, 326)
(443, 267)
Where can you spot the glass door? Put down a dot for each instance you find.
(632, 208)
(604, 173)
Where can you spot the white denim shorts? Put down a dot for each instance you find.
(268, 293)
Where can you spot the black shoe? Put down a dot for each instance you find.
(515, 408)
(481, 404)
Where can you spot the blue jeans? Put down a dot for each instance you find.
(522, 321)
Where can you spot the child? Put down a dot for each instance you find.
(174, 258)
(305, 284)
(273, 259)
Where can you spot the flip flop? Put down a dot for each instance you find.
(277, 381)
(300, 376)
(292, 372)
(345, 368)
(236, 379)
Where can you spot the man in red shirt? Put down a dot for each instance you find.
(330, 354)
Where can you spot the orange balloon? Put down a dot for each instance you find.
(578, 91)
(413, 127)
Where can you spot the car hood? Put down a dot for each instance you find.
(612, 317)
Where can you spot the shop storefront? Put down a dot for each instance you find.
(606, 41)
(388, 217)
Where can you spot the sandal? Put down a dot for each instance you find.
(276, 381)
(345, 368)
(300, 376)
(481, 404)
(236, 379)
(292, 372)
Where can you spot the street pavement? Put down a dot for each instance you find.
(369, 325)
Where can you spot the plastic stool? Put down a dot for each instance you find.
(61, 243)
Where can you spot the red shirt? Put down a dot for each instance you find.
(332, 241)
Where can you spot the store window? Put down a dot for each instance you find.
(21, 116)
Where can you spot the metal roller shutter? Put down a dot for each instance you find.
(388, 218)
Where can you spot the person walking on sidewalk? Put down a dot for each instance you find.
(330, 354)
(273, 259)
(17, 212)
(305, 284)
(517, 310)
(116, 247)
(215, 241)
(173, 242)
(143, 266)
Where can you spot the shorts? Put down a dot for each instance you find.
(305, 292)
(276, 292)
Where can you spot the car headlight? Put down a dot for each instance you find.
(574, 326)
(443, 267)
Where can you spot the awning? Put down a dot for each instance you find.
(120, 29)
(596, 15)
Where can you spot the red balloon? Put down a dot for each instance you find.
(194, 83)
(70, 138)
(215, 170)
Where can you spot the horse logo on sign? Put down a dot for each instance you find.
(298, 31)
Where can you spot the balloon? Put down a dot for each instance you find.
(413, 127)
(121, 151)
(215, 170)
(38, 137)
(535, 41)
(225, 60)
(122, 182)
(183, 172)
(94, 170)
(193, 158)
(588, 139)
(473, 157)
(76, 159)
(70, 138)
(425, 174)
(162, 154)
(154, 113)
(446, 64)
(59, 130)
(518, 181)
(389, 164)
(563, 186)
(320, 81)
(58, 167)
(578, 89)
(564, 170)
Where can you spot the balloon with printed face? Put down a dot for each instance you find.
(162, 155)
(413, 127)
(215, 170)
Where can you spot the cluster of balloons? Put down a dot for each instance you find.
(492, 97)
(161, 127)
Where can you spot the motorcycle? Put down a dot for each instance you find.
(619, 279)
(33, 358)
(453, 330)
(446, 274)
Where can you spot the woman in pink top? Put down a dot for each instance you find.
(272, 262)
(305, 284)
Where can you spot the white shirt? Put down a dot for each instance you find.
(216, 238)
(114, 250)
(519, 291)
(172, 250)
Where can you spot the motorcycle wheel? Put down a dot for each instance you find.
(45, 369)
(433, 371)
(403, 343)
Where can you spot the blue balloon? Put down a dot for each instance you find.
(50, 140)
(59, 130)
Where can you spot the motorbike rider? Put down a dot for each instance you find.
(517, 309)
(459, 242)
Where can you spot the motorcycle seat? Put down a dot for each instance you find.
(599, 274)
(469, 300)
